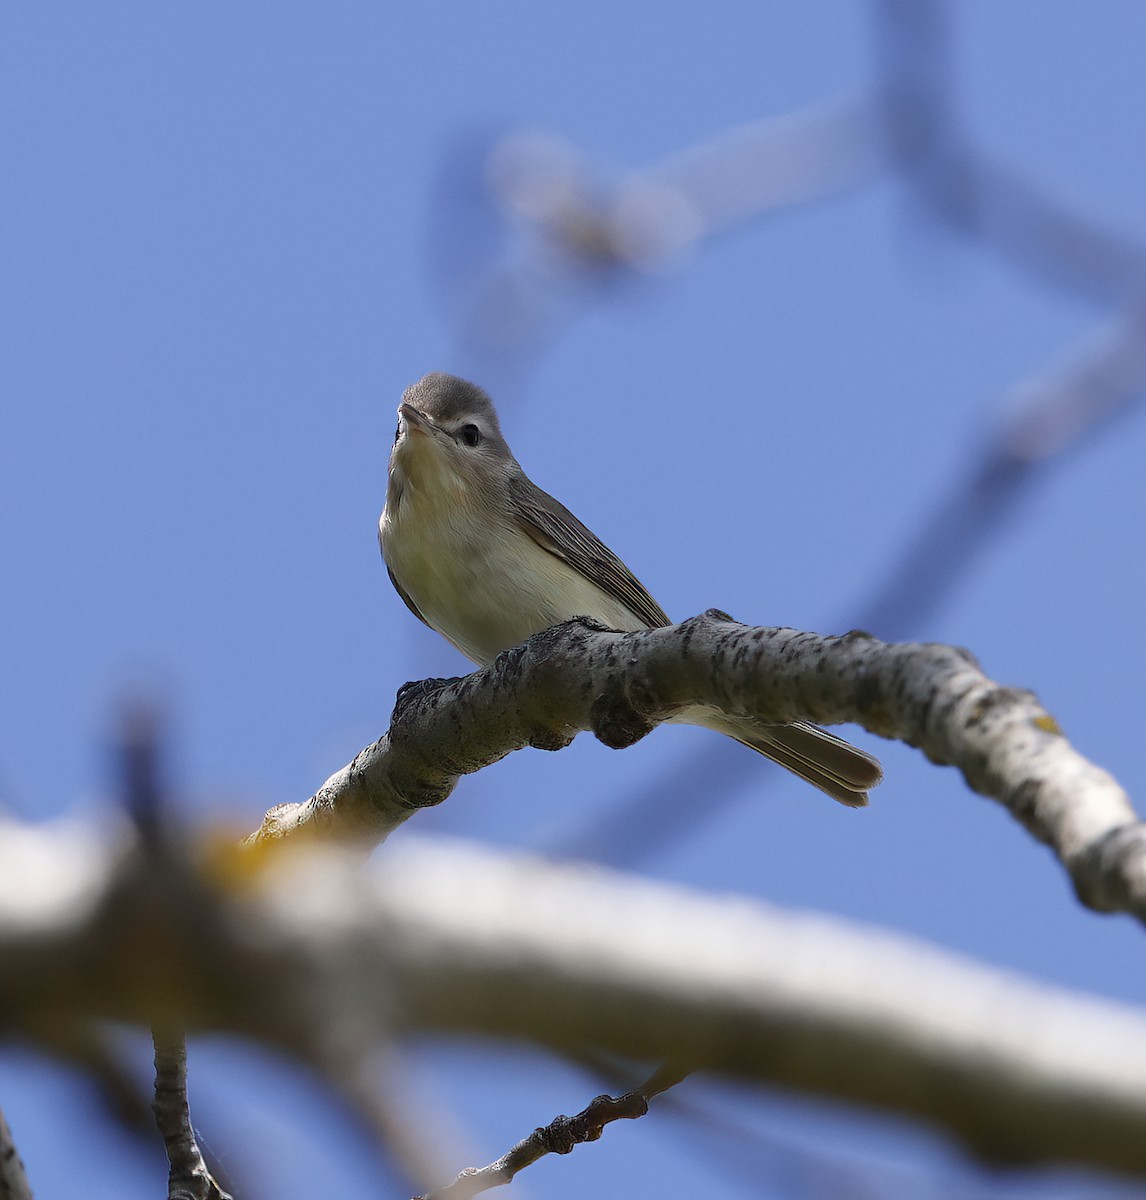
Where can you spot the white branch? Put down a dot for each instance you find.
(432, 938)
(578, 676)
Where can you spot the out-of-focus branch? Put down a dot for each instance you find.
(573, 227)
(13, 1181)
(1050, 414)
(432, 938)
(1043, 420)
(649, 216)
(403, 1130)
(92, 1053)
(573, 235)
(559, 1137)
(143, 795)
(580, 676)
(968, 190)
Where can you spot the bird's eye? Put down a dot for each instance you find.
(470, 434)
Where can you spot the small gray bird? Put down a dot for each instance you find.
(486, 558)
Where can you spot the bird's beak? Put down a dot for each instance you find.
(416, 420)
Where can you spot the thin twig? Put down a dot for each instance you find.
(561, 1135)
(143, 800)
(188, 1176)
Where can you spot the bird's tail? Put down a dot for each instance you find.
(822, 759)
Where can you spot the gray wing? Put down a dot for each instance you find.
(406, 599)
(554, 528)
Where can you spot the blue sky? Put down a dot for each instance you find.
(231, 234)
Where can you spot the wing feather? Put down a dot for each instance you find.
(406, 599)
(554, 528)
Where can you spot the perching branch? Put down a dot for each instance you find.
(579, 676)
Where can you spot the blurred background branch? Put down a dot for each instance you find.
(436, 937)
(572, 238)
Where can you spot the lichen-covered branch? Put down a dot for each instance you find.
(578, 676)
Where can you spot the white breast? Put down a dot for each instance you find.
(485, 586)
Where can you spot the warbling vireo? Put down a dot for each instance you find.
(482, 555)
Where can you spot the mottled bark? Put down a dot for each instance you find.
(578, 677)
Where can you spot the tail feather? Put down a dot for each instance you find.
(832, 754)
(820, 758)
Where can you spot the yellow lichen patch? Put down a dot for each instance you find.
(1048, 724)
(229, 862)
